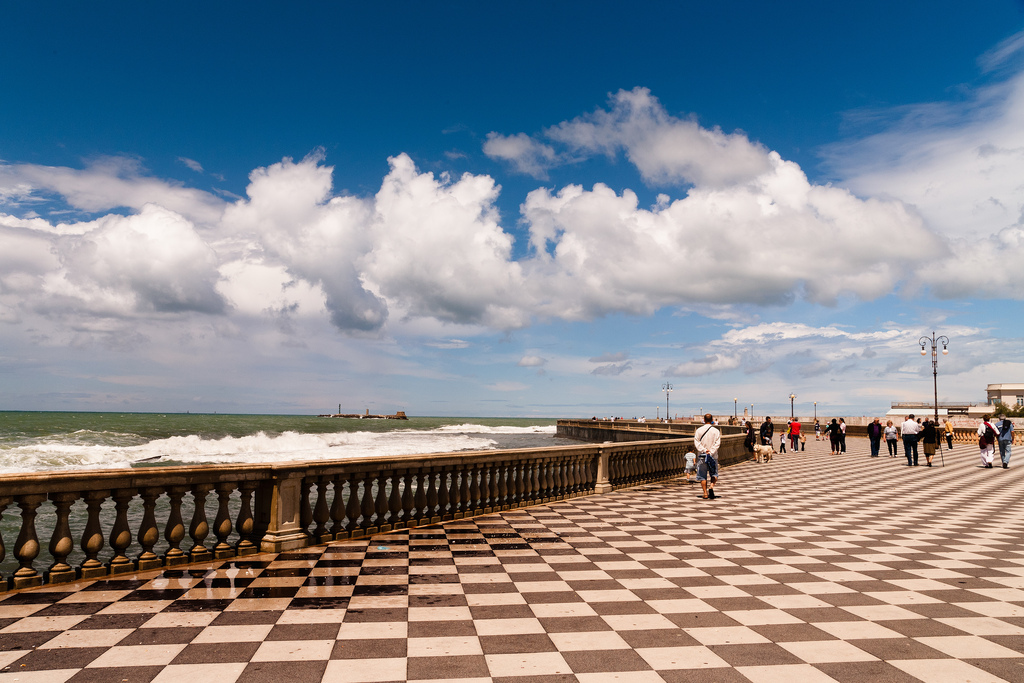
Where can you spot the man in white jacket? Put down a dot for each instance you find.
(706, 441)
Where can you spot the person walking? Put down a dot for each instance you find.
(949, 432)
(832, 432)
(817, 430)
(842, 434)
(751, 438)
(767, 431)
(987, 437)
(930, 438)
(909, 431)
(875, 436)
(794, 435)
(892, 437)
(707, 440)
(1005, 440)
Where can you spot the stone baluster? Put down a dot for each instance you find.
(432, 497)
(407, 497)
(149, 534)
(338, 508)
(26, 548)
(121, 533)
(305, 509)
(61, 542)
(464, 489)
(475, 475)
(453, 492)
(4, 502)
(366, 501)
(222, 522)
(352, 509)
(421, 495)
(380, 503)
(548, 479)
(321, 513)
(520, 482)
(92, 536)
(503, 472)
(494, 501)
(199, 528)
(245, 525)
(534, 482)
(395, 500)
(442, 494)
(174, 529)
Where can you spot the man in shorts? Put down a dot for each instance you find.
(706, 441)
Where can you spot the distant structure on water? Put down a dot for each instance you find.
(399, 415)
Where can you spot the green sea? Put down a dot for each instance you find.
(42, 441)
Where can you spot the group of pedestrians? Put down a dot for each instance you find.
(989, 436)
(835, 432)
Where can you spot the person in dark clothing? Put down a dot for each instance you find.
(930, 437)
(832, 432)
(749, 442)
(875, 435)
(767, 431)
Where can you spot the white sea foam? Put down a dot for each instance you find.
(484, 429)
(255, 448)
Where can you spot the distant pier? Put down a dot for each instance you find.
(399, 415)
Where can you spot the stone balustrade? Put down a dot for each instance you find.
(127, 520)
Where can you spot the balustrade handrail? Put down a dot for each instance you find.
(296, 503)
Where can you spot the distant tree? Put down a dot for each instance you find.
(1009, 411)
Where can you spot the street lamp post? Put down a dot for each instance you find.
(667, 388)
(815, 411)
(791, 415)
(935, 341)
(735, 409)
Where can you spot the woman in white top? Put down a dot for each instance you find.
(892, 438)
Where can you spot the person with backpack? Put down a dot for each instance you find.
(706, 441)
(986, 441)
(767, 431)
(1005, 440)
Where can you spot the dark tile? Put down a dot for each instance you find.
(340, 602)
(898, 648)
(216, 653)
(658, 637)
(246, 564)
(115, 585)
(701, 619)
(574, 624)
(501, 612)
(374, 615)
(876, 672)
(303, 632)
(246, 617)
(1009, 669)
(25, 641)
(193, 573)
(759, 654)
(735, 604)
(792, 633)
(514, 644)
(64, 609)
(104, 621)
(545, 597)
(940, 611)
(331, 581)
(333, 563)
(198, 606)
(125, 674)
(269, 592)
(285, 572)
(427, 579)
(56, 658)
(624, 607)
(283, 672)
(161, 636)
(34, 598)
(814, 615)
(224, 582)
(441, 629)
(155, 594)
(452, 666)
(448, 600)
(915, 628)
(595, 661)
(379, 590)
(384, 571)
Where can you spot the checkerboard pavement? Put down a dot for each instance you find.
(810, 568)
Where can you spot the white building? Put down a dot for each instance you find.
(1010, 394)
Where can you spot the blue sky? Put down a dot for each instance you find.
(537, 209)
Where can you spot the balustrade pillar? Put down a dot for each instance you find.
(305, 509)
(432, 498)
(394, 501)
(245, 525)
(121, 533)
(199, 528)
(352, 509)
(380, 503)
(92, 536)
(61, 542)
(464, 491)
(338, 508)
(603, 483)
(321, 513)
(475, 503)
(366, 504)
(149, 534)
(222, 522)
(277, 510)
(26, 548)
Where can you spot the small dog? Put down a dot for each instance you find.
(763, 453)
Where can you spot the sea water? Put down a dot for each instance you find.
(46, 441)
